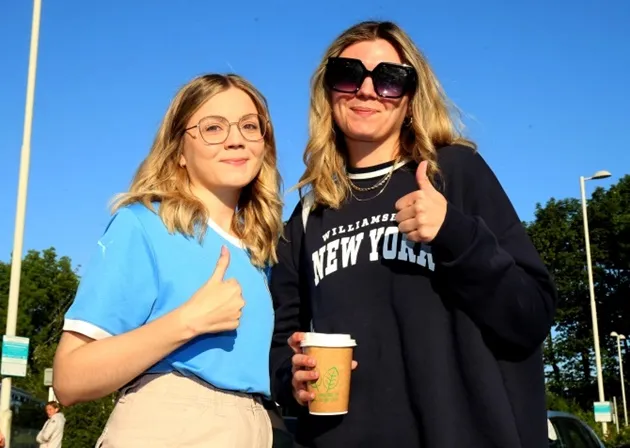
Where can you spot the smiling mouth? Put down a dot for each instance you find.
(363, 111)
(235, 162)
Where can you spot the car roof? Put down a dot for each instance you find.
(552, 414)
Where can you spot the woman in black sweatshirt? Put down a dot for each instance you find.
(406, 240)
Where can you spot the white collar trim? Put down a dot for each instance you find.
(222, 233)
(377, 173)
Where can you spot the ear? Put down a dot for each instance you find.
(182, 160)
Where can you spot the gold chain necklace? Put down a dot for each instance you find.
(385, 180)
(373, 187)
(377, 184)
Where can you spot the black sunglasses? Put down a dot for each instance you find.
(390, 80)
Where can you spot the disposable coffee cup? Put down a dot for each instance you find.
(333, 353)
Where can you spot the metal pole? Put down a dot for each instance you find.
(591, 287)
(18, 238)
(616, 414)
(51, 394)
(623, 384)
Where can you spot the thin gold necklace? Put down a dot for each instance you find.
(377, 184)
(385, 180)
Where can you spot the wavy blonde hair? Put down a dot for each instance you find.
(433, 123)
(258, 218)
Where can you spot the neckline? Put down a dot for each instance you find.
(225, 235)
(375, 170)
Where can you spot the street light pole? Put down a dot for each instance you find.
(623, 384)
(20, 214)
(591, 287)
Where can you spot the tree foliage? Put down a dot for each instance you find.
(47, 287)
(558, 233)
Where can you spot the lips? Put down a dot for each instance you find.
(363, 111)
(235, 162)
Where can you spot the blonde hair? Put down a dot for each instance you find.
(432, 122)
(258, 218)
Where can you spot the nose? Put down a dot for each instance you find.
(367, 89)
(234, 139)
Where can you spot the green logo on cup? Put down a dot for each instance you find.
(325, 384)
(327, 381)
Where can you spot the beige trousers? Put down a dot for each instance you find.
(170, 410)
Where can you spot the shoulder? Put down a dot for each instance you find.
(140, 213)
(460, 163)
(289, 244)
(123, 221)
(132, 227)
(300, 214)
(457, 157)
(138, 219)
(469, 182)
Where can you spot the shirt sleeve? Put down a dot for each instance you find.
(289, 306)
(43, 436)
(486, 261)
(119, 286)
(53, 427)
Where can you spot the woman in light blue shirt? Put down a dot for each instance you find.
(174, 308)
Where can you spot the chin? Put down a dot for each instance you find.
(367, 136)
(363, 132)
(236, 181)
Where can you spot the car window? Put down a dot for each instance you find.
(554, 439)
(573, 433)
(593, 436)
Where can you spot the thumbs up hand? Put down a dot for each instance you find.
(421, 213)
(217, 305)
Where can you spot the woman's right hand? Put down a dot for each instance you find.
(302, 375)
(217, 305)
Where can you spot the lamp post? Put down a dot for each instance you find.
(20, 214)
(619, 337)
(591, 287)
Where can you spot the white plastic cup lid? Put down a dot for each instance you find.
(327, 340)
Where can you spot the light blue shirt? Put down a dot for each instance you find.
(141, 272)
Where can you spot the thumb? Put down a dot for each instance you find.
(222, 265)
(421, 177)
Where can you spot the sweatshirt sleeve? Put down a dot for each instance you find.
(46, 432)
(486, 261)
(289, 308)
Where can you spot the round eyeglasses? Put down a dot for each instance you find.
(215, 130)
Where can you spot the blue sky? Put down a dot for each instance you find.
(544, 87)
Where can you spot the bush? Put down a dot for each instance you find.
(621, 440)
(614, 439)
(85, 422)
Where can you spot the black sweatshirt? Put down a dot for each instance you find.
(449, 334)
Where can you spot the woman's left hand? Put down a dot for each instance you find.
(421, 213)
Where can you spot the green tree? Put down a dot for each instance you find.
(86, 421)
(557, 232)
(47, 288)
